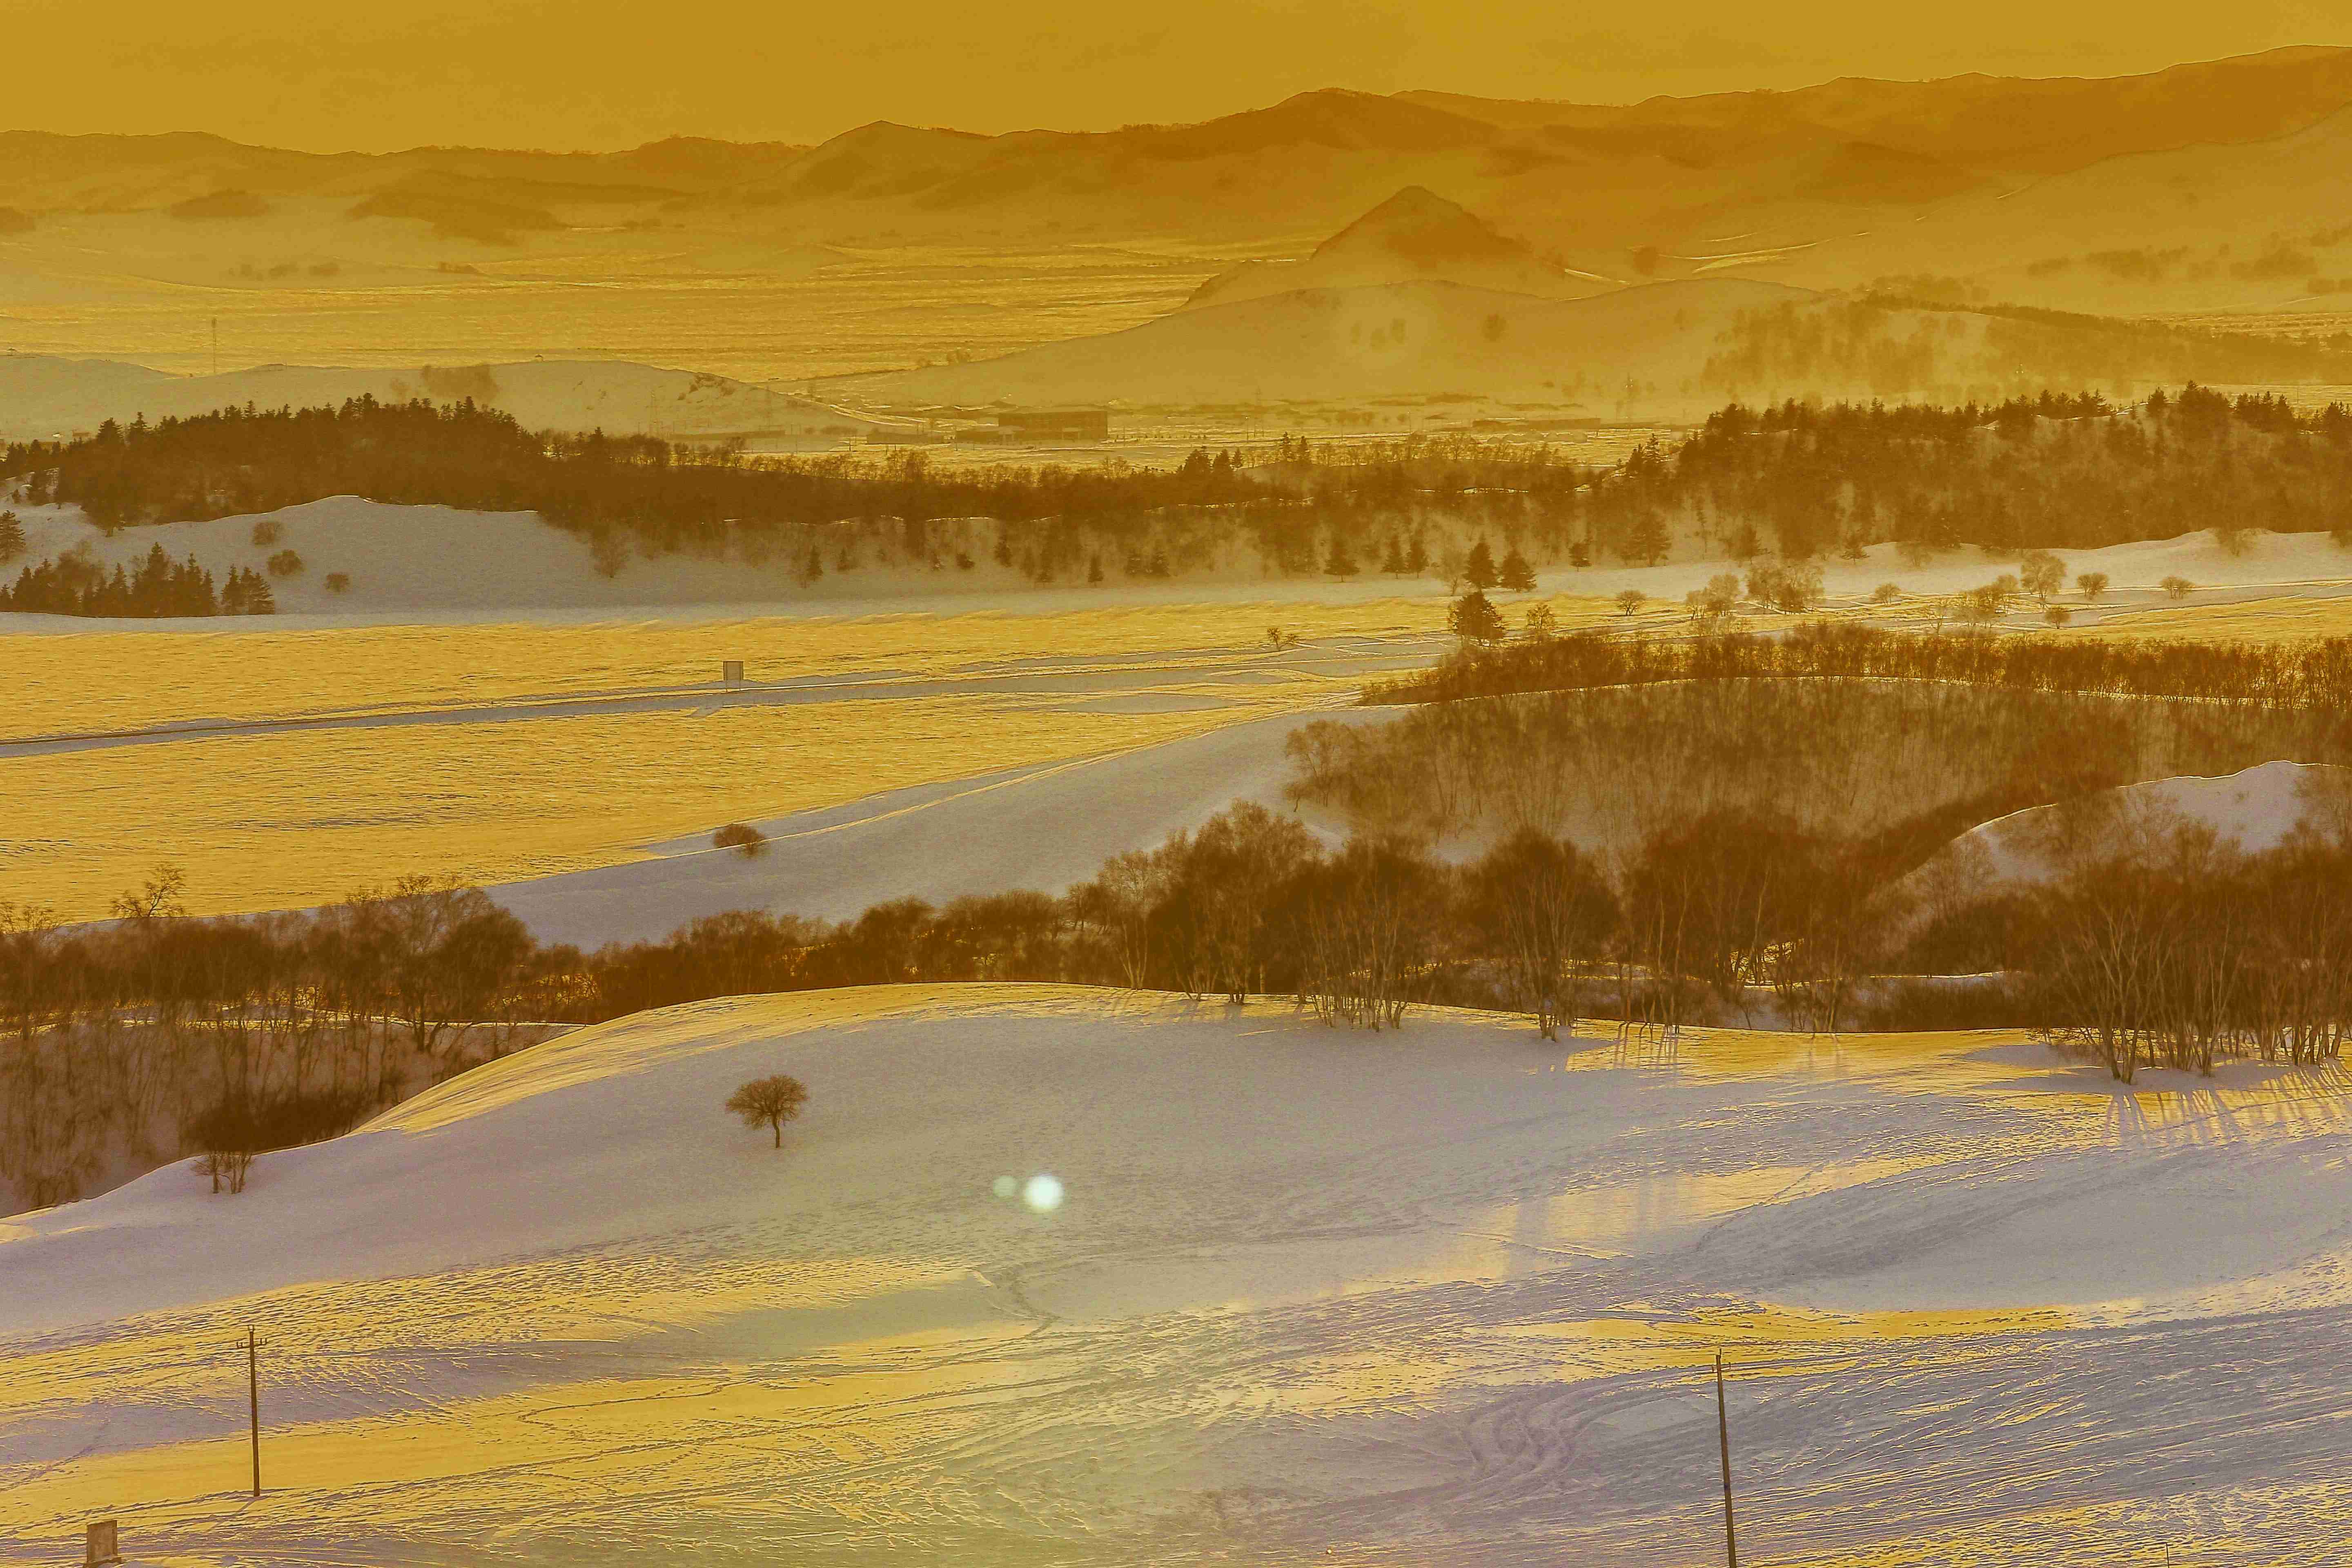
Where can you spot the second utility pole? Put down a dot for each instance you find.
(1723, 1436)
(253, 1406)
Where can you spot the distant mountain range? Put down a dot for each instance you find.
(2210, 188)
(1679, 175)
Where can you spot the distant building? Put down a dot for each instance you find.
(1055, 423)
(924, 434)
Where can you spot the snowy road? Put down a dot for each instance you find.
(1178, 678)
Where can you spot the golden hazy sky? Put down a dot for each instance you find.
(614, 73)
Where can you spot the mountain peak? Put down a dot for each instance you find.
(1412, 237)
(1424, 228)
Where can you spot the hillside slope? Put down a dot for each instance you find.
(1056, 1275)
(2024, 125)
(1415, 236)
(1667, 352)
(2196, 227)
(2249, 812)
(1041, 828)
(1353, 345)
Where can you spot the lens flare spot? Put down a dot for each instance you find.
(1006, 1186)
(1042, 1194)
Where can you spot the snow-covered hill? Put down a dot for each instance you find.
(1419, 338)
(1042, 827)
(2252, 811)
(1051, 1275)
(1414, 236)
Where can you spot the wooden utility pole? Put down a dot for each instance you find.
(1723, 1436)
(253, 1404)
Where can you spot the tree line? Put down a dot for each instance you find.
(2050, 471)
(2313, 674)
(2046, 472)
(73, 584)
(155, 1031)
(1405, 508)
(1908, 341)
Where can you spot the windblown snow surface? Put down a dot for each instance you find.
(1043, 828)
(2251, 811)
(1444, 1296)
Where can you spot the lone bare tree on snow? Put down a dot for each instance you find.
(768, 1102)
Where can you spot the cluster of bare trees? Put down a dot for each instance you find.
(1719, 919)
(156, 1033)
(2153, 946)
(2148, 941)
(1901, 764)
(2313, 674)
(1249, 904)
(1910, 344)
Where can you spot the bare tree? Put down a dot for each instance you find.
(768, 1102)
(1541, 909)
(2042, 573)
(1368, 933)
(743, 837)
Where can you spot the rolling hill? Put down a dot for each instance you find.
(1352, 346)
(2005, 124)
(1052, 1274)
(2249, 812)
(2202, 228)
(1669, 351)
(1415, 236)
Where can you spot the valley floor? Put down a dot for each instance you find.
(568, 748)
(1449, 1295)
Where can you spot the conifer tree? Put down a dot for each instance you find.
(1474, 618)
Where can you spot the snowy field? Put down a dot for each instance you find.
(563, 725)
(440, 565)
(285, 769)
(1043, 828)
(1446, 1295)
